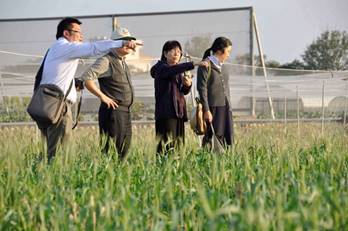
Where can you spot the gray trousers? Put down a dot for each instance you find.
(58, 133)
(116, 125)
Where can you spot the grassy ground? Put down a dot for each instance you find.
(274, 178)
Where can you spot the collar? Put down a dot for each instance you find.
(117, 55)
(64, 40)
(215, 61)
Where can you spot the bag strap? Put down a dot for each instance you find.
(78, 111)
(194, 99)
(67, 93)
(38, 76)
(209, 70)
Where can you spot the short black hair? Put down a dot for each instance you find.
(65, 24)
(169, 45)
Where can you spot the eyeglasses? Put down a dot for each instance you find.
(76, 31)
(175, 51)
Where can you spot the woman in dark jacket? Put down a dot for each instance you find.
(214, 92)
(170, 87)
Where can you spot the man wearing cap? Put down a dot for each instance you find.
(115, 92)
(59, 68)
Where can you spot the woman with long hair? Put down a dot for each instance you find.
(170, 87)
(214, 92)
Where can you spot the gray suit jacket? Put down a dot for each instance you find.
(214, 90)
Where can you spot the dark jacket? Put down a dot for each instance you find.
(214, 90)
(169, 90)
(119, 86)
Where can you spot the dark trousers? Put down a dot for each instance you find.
(117, 126)
(57, 133)
(171, 133)
(222, 124)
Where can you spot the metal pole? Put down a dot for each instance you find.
(115, 24)
(322, 108)
(253, 99)
(263, 65)
(252, 63)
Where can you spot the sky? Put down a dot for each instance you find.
(286, 27)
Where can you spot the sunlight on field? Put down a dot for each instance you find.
(274, 178)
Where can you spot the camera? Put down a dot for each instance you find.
(79, 84)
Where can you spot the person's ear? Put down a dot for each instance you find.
(220, 52)
(66, 33)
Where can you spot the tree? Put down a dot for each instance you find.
(296, 64)
(272, 64)
(198, 45)
(328, 52)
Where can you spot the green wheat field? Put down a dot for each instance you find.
(275, 178)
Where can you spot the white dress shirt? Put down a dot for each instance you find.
(62, 61)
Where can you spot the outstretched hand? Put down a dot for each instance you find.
(132, 44)
(203, 63)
